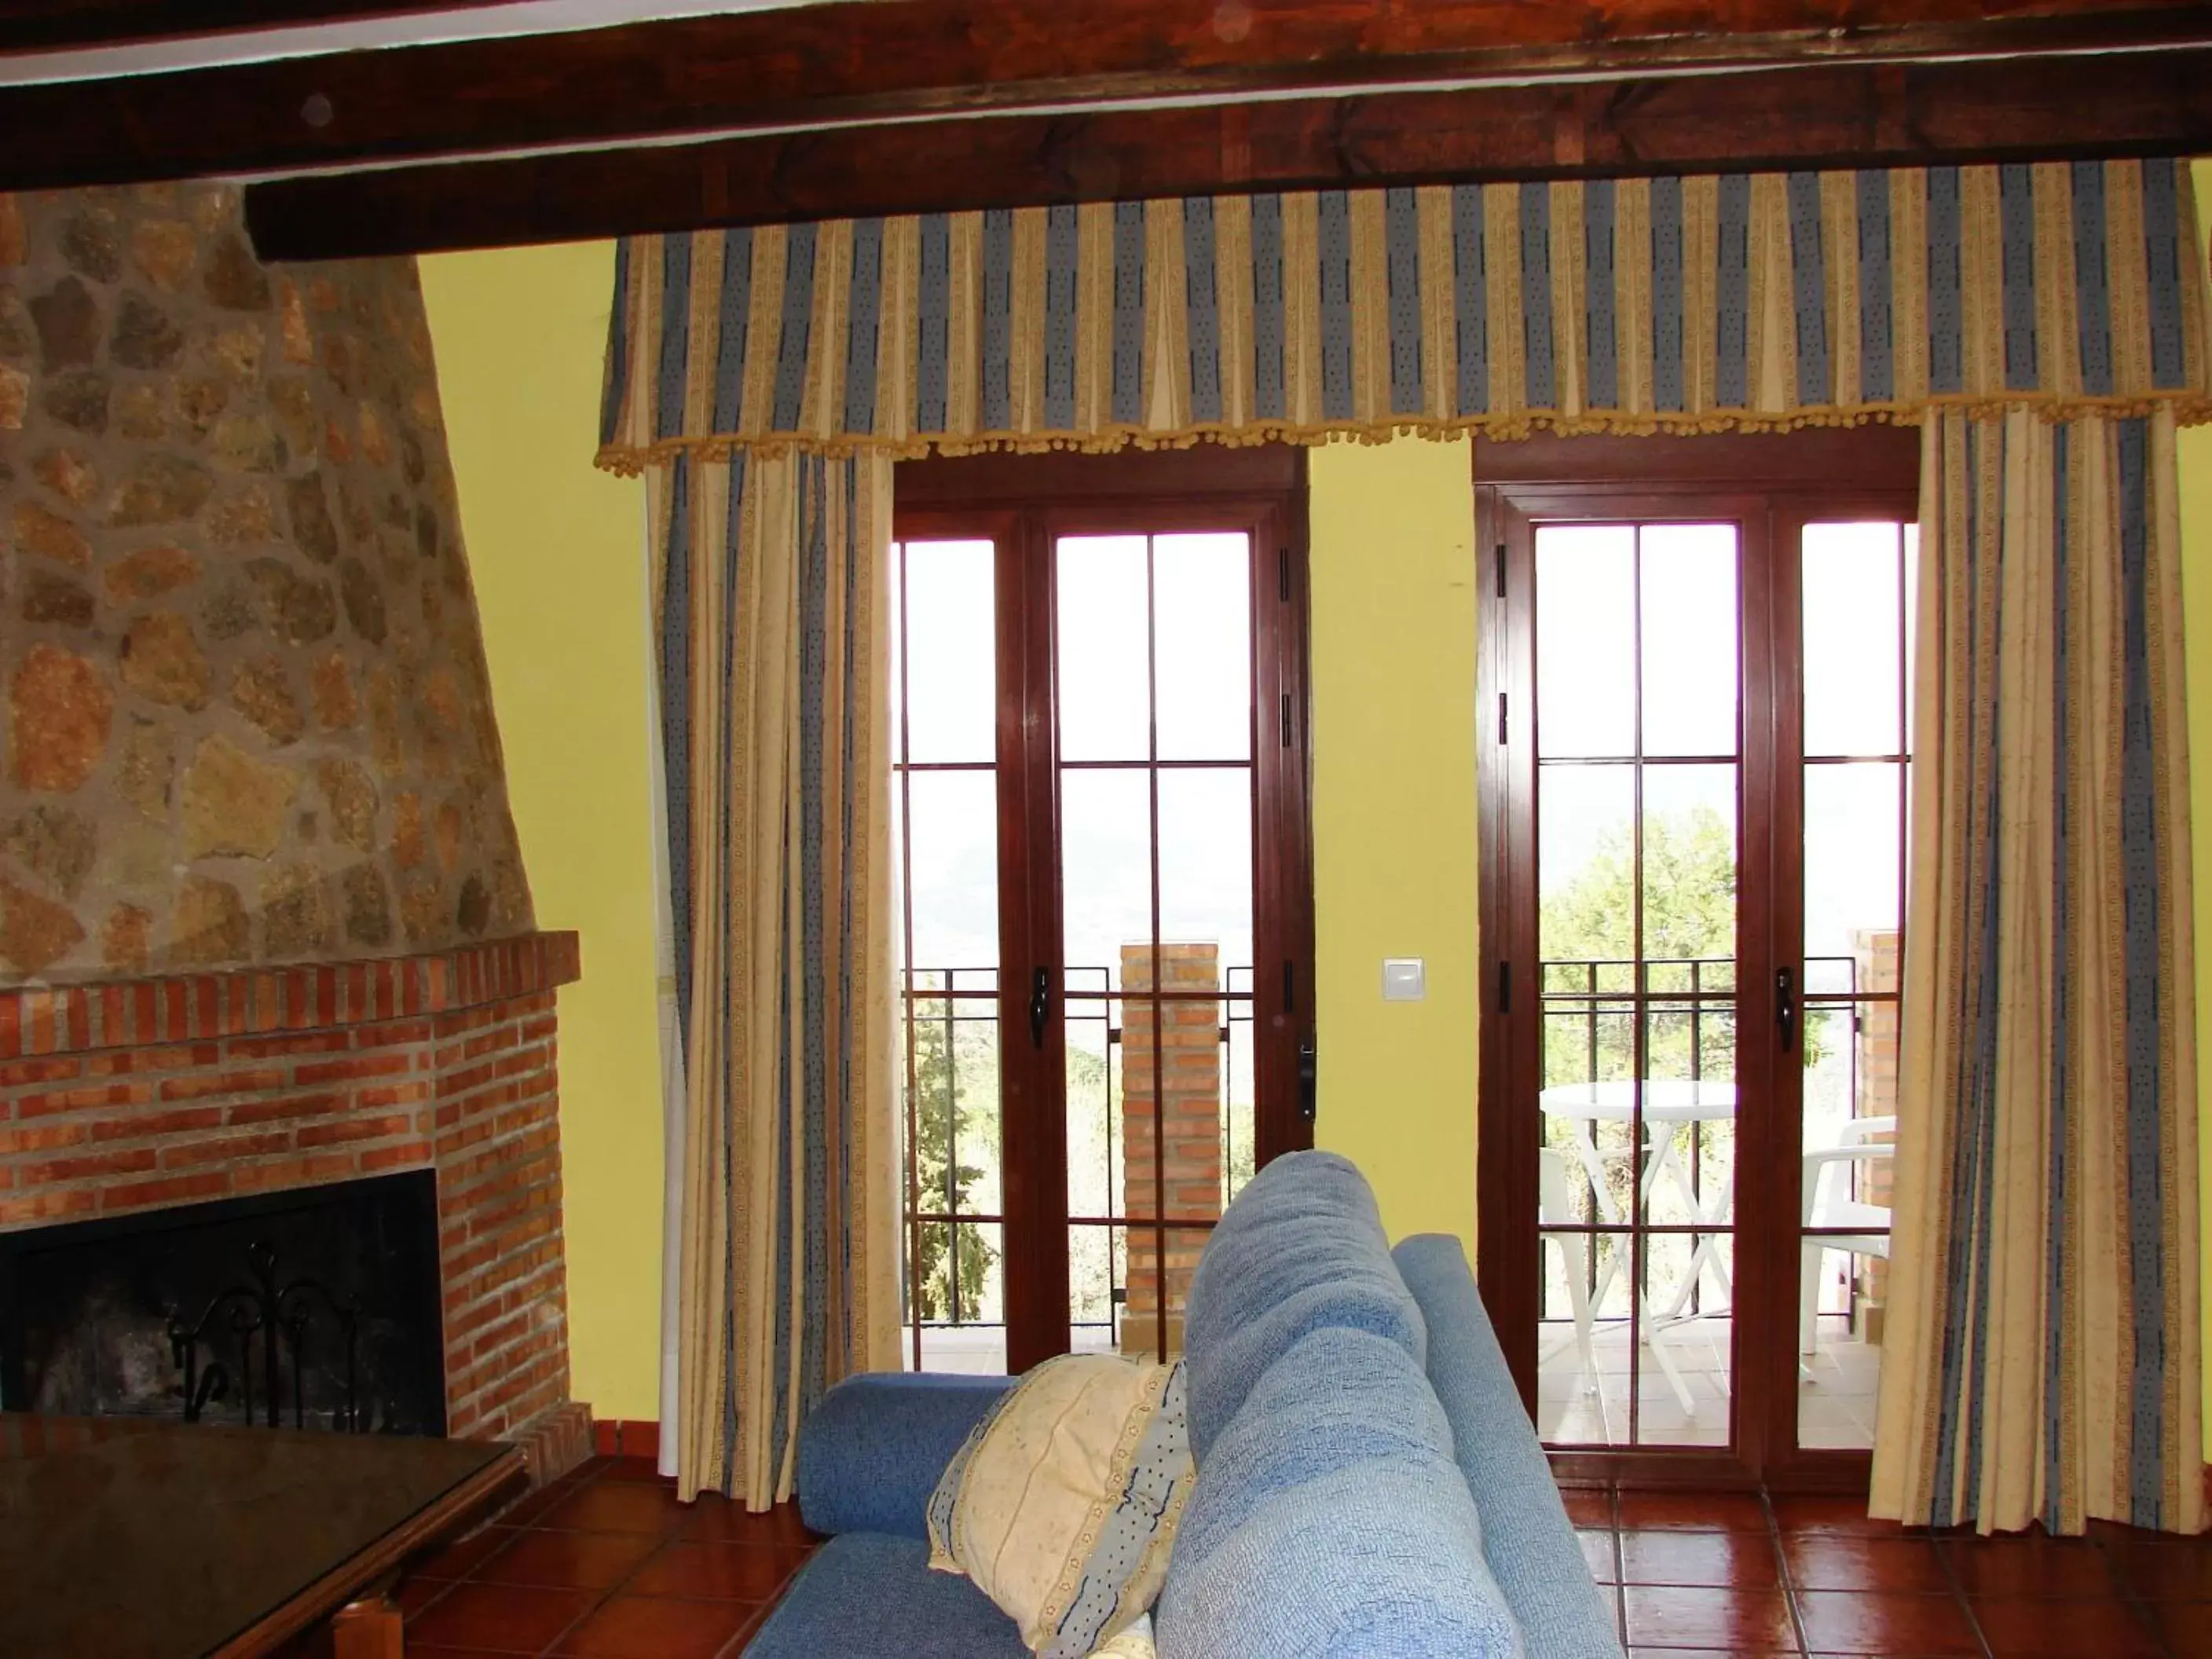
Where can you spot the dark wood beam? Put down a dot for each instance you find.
(1883, 116)
(873, 60)
(75, 25)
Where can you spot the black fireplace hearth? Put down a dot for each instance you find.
(317, 1307)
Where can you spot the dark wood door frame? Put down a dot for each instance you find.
(1024, 503)
(1769, 484)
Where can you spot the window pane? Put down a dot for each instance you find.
(1850, 1105)
(1203, 602)
(953, 869)
(1205, 861)
(1689, 863)
(1104, 675)
(1849, 599)
(1852, 832)
(1586, 860)
(1585, 639)
(1106, 871)
(950, 631)
(1689, 639)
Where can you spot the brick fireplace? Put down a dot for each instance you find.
(130, 1096)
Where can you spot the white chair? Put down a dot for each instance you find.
(1828, 1203)
(1555, 1209)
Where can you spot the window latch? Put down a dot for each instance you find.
(1040, 1004)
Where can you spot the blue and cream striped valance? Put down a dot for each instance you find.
(1745, 301)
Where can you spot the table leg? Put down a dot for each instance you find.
(370, 1628)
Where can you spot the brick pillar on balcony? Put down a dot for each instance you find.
(1185, 1043)
(1880, 969)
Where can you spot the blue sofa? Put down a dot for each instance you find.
(1368, 1482)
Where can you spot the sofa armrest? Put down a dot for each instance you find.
(870, 1455)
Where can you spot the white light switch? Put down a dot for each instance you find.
(1404, 979)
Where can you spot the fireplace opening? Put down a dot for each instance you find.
(317, 1307)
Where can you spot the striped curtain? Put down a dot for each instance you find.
(774, 697)
(2043, 1359)
(1643, 305)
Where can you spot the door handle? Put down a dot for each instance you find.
(1040, 1004)
(1308, 1080)
(1785, 1005)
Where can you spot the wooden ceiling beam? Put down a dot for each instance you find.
(869, 60)
(1881, 116)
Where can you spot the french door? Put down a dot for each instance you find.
(1697, 691)
(1105, 927)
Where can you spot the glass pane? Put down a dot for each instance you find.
(959, 1278)
(1853, 648)
(1689, 639)
(954, 1080)
(1103, 670)
(950, 684)
(1205, 861)
(1094, 1108)
(1585, 639)
(1149, 1278)
(1852, 851)
(1683, 1386)
(1689, 1116)
(1586, 822)
(952, 870)
(1911, 626)
(1106, 874)
(1689, 863)
(1240, 1119)
(1850, 1105)
(1202, 599)
(1096, 1258)
(1582, 1345)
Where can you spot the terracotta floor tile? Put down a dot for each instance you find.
(1598, 1550)
(715, 1516)
(1818, 1514)
(1588, 1506)
(2186, 1625)
(652, 1627)
(1732, 1620)
(568, 1560)
(2036, 1567)
(418, 1651)
(1859, 1561)
(2064, 1629)
(1692, 1511)
(413, 1594)
(1853, 1621)
(726, 1572)
(527, 1508)
(617, 1506)
(504, 1617)
(634, 1469)
(458, 1560)
(1670, 1556)
(2178, 1569)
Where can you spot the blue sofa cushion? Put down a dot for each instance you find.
(869, 1453)
(1302, 1249)
(1527, 1537)
(1330, 1520)
(869, 1595)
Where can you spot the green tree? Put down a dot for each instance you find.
(955, 1083)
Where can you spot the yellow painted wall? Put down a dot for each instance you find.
(2196, 446)
(556, 551)
(1394, 856)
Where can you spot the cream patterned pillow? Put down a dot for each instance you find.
(1062, 1505)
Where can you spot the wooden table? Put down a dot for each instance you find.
(163, 1541)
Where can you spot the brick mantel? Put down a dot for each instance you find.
(144, 1094)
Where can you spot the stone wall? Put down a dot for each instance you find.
(247, 715)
